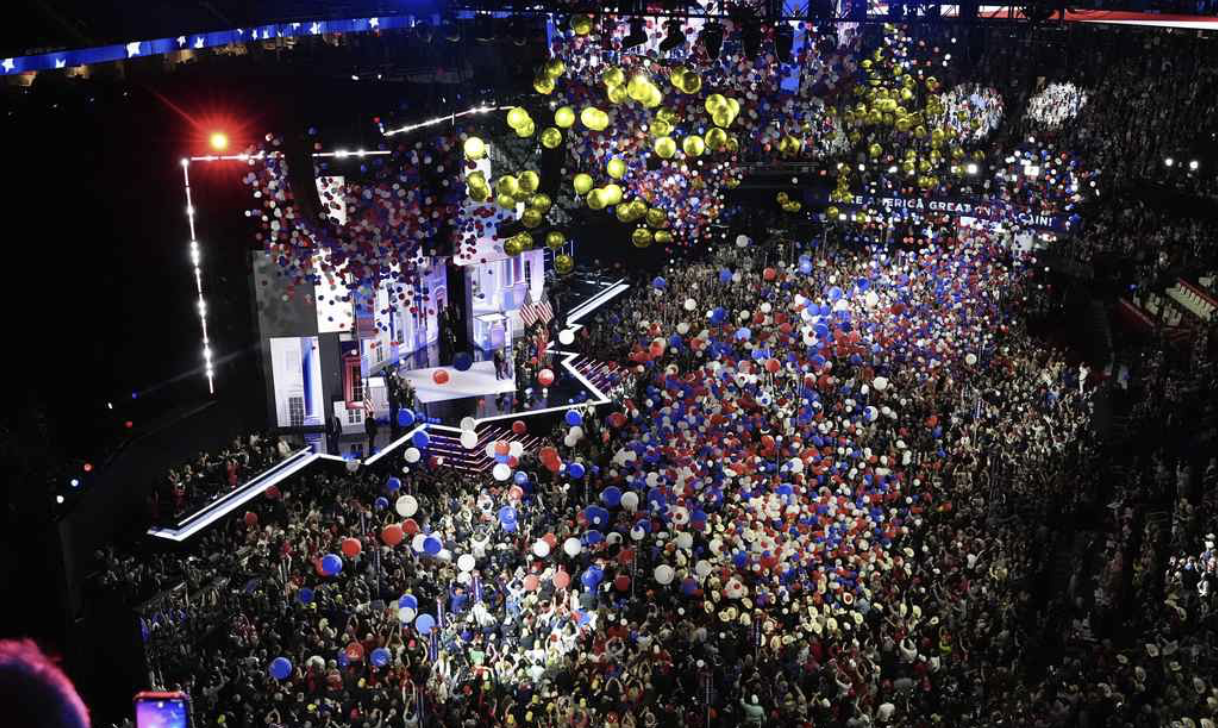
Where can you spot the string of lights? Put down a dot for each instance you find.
(196, 260)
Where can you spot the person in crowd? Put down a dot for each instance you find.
(34, 692)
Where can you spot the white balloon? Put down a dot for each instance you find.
(417, 542)
(702, 568)
(880, 384)
(352, 466)
(407, 506)
(683, 328)
(413, 455)
(630, 501)
(516, 449)
(766, 307)
(406, 615)
(541, 549)
(468, 424)
(577, 432)
(469, 439)
(691, 304)
(466, 562)
(566, 337)
(970, 359)
(685, 540)
(572, 547)
(490, 450)
(501, 471)
(664, 574)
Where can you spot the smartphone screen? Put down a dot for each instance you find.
(164, 710)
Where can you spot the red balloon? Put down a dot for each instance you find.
(355, 652)
(391, 534)
(657, 348)
(251, 518)
(551, 539)
(503, 447)
(273, 492)
(562, 579)
(515, 492)
(531, 582)
(553, 465)
(519, 427)
(439, 376)
(546, 377)
(770, 274)
(621, 582)
(352, 546)
(410, 526)
(626, 556)
(772, 366)
(548, 453)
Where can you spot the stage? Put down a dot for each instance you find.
(478, 381)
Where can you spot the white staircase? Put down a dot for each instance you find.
(1191, 301)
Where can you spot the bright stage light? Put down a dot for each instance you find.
(218, 141)
(1193, 164)
(1169, 161)
(971, 168)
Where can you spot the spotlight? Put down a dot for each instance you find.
(1169, 162)
(971, 168)
(675, 37)
(784, 39)
(75, 482)
(638, 33)
(712, 38)
(218, 141)
(1193, 165)
(59, 499)
(752, 38)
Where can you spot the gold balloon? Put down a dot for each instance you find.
(638, 85)
(716, 103)
(875, 151)
(522, 196)
(543, 84)
(613, 194)
(691, 83)
(555, 240)
(665, 147)
(581, 24)
(617, 94)
(920, 132)
(475, 148)
(532, 218)
(732, 144)
(693, 146)
(656, 218)
(616, 168)
(526, 240)
(541, 203)
(507, 185)
(641, 237)
(479, 194)
(555, 67)
(563, 264)
(527, 130)
(564, 117)
(668, 115)
(716, 139)
(582, 183)
(903, 124)
(529, 181)
(596, 200)
(475, 179)
(624, 213)
(594, 118)
(654, 98)
(613, 76)
(783, 197)
(663, 237)
(660, 128)
(551, 138)
(721, 119)
(507, 202)
(517, 117)
(512, 246)
(832, 212)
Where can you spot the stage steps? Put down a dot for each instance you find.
(447, 444)
(599, 373)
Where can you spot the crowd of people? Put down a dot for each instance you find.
(209, 476)
(828, 496)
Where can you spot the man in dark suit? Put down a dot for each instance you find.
(334, 433)
(500, 364)
(371, 428)
(393, 389)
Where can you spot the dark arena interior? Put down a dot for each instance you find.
(622, 364)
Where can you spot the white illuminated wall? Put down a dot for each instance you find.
(296, 368)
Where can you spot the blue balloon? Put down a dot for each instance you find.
(462, 361)
(612, 496)
(507, 515)
(305, 595)
(421, 439)
(342, 659)
(725, 276)
(743, 333)
(574, 418)
(405, 418)
(432, 545)
(393, 485)
(408, 600)
(521, 478)
(576, 470)
(659, 283)
(281, 668)
(381, 503)
(424, 623)
(380, 657)
(331, 564)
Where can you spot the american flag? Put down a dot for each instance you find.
(541, 311)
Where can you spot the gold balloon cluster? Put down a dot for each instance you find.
(789, 205)
(640, 88)
(511, 190)
(563, 264)
(547, 75)
(723, 111)
(518, 118)
(594, 119)
(581, 24)
(474, 148)
(684, 80)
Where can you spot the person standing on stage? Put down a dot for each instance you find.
(334, 432)
(393, 389)
(500, 364)
(370, 426)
